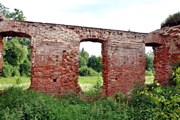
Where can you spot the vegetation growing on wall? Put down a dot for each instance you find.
(172, 20)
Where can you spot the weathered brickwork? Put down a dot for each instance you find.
(166, 44)
(55, 55)
(1, 57)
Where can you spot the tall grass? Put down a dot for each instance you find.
(151, 102)
(7, 82)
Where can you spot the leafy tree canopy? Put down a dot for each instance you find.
(16, 52)
(149, 61)
(15, 15)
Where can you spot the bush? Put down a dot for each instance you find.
(172, 20)
(7, 70)
(149, 102)
(86, 71)
(17, 104)
(157, 102)
(175, 75)
(15, 71)
(25, 68)
(149, 73)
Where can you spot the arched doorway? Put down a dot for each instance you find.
(16, 64)
(151, 49)
(92, 65)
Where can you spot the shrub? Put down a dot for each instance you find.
(15, 71)
(172, 20)
(18, 104)
(86, 71)
(25, 68)
(149, 102)
(7, 70)
(157, 102)
(175, 75)
(149, 73)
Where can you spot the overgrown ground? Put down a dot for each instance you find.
(23, 82)
(151, 102)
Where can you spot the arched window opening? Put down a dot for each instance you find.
(16, 61)
(90, 66)
(149, 73)
(150, 50)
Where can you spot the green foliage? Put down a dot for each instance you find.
(175, 75)
(87, 63)
(15, 71)
(85, 71)
(95, 63)
(18, 104)
(149, 61)
(82, 62)
(150, 102)
(157, 102)
(149, 73)
(6, 82)
(95, 90)
(3, 10)
(14, 15)
(84, 54)
(25, 68)
(16, 58)
(14, 53)
(18, 81)
(7, 70)
(172, 20)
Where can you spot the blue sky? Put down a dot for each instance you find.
(136, 15)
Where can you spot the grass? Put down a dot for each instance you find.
(86, 82)
(23, 82)
(153, 102)
(149, 79)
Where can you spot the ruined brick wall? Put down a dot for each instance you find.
(166, 52)
(1, 57)
(55, 55)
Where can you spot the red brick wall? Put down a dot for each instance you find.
(55, 55)
(166, 53)
(1, 57)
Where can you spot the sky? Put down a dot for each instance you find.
(135, 15)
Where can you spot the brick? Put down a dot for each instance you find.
(55, 55)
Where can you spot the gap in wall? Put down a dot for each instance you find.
(90, 66)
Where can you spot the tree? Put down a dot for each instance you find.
(86, 71)
(95, 63)
(82, 62)
(149, 61)
(4, 10)
(15, 15)
(84, 54)
(16, 52)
